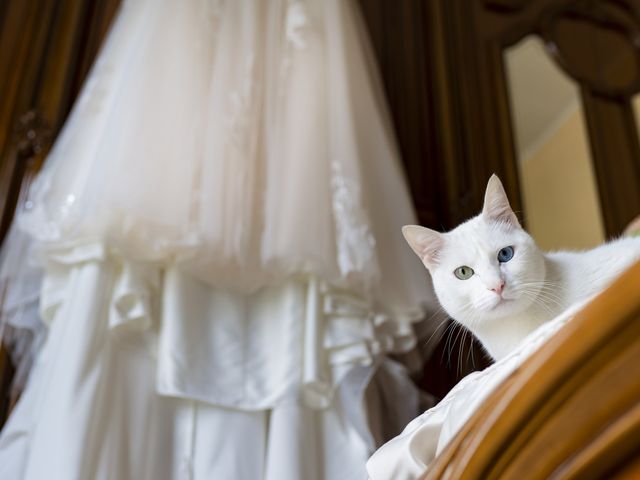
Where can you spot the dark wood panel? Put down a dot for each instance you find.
(616, 156)
(398, 31)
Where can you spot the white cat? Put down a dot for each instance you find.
(490, 276)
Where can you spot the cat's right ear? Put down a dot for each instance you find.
(425, 242)
(496, 204)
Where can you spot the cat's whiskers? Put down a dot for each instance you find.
(546, 288)
(546, 284)
(548, 295)
(465, 334)
(452, 326)
(474, 320)
(544, 293)
(472, 317)
(443, 322)
(543, 301)
(459, 333)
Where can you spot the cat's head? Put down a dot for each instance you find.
(486, 268)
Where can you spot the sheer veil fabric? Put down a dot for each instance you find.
(211, 257)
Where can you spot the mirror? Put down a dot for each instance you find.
(559, 191)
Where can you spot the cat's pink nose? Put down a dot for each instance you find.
(498, 288)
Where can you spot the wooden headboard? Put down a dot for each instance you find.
(572, 410)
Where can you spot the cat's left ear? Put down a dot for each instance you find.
(496, 204)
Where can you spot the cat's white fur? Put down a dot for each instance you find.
(537, 286)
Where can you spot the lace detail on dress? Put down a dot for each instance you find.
(240, 106)
(355, 242)
(296, 23)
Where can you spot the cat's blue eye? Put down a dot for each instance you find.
(505, 254)
(464, 272)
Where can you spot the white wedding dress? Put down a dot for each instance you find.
(211, 261)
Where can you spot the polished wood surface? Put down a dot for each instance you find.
(571, 411)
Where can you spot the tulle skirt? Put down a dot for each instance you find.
(246, 141)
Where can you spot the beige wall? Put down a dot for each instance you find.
(559, 191)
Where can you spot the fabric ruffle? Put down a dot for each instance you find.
(138, 355)
(232, 349)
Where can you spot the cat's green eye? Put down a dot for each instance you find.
(463, 273)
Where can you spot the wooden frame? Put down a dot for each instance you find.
(472, 104)
(572, 410)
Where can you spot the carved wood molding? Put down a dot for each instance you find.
(597, 43)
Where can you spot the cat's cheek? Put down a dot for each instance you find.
(444, 290)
